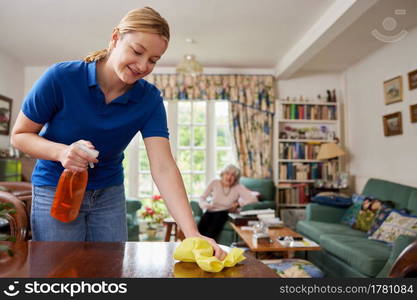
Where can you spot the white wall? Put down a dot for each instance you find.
(309, 85)
(11, 86)
(374, 155)
(31, 75)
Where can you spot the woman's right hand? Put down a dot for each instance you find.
(75, 159)
(234, 207)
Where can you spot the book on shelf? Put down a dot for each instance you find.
(307, 111)
(300, 171)
(298, 150)
(295, 193)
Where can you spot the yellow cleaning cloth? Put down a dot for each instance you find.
(200, 251)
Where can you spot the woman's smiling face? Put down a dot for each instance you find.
(135, 54)
(228, 179)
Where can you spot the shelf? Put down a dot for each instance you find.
(302, 116)
(304, 141)
(307, 121)
(299, 160)
(307, 103)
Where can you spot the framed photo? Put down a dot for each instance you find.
(5, 114)
(393, 90)
(413, 113)
(412, 80)
(393, 124)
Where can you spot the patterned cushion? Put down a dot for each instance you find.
(381, 216)
(367, 214)
(349, 218)
(295, 268)
(396, 224)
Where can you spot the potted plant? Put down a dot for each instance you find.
(153, 212)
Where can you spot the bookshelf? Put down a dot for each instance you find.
(300, 127)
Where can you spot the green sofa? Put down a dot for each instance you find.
(265, 187)
(347, 252)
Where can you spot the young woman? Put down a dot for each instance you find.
(225, 193)
(101, 102)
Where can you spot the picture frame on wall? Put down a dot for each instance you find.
(393, 90)
(5, 114)
(393, 124)
(412, 80)
(413, 113)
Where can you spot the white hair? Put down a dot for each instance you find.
(231, 169)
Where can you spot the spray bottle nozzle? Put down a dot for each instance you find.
(90, 152)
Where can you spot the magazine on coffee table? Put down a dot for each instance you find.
(305, 242)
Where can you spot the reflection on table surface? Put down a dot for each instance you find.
(111, 260)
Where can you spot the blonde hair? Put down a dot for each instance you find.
(143, 19)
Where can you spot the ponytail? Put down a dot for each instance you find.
(96, 55)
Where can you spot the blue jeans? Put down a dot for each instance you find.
(102, 217)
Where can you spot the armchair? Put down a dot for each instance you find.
(132, 206)
(20, 195)
(19, 221)
(265, 187)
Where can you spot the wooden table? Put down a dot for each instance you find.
(111, 260)
(275, 246)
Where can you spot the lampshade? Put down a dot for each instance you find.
(329, 150)
(189, 66)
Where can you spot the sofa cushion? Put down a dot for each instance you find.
(349, 218)
(412, 202)
(396, 224)
(368, 213)
(383, 213)
(265, 187)
(403, 196)
(367, 256)
(332, 199)
(315, 229)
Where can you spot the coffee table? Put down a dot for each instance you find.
(274, 246)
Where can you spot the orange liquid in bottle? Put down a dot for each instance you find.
(69, 195)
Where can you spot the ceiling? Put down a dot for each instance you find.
(228, 33)
(357, 41)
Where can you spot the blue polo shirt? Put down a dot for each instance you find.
(69, 101)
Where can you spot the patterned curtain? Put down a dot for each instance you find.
(252, 108)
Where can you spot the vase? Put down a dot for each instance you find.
(151, 233)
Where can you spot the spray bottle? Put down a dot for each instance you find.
(70, 191)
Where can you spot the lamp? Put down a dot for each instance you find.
(330, 151)
(189, 66)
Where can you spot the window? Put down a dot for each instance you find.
(224, 150)
(192, 145)
(201, 143)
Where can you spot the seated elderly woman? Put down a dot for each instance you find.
(225, 193)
